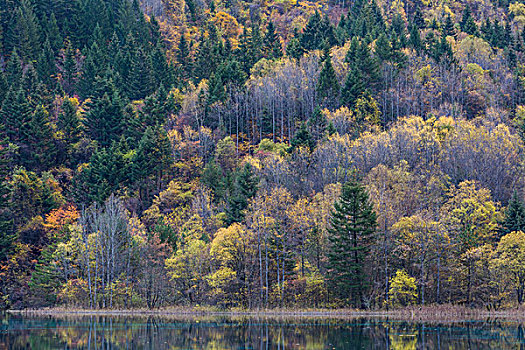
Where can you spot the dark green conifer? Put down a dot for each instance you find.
(53, 34)
(353, 223)
(45, 279)
(69, 123)
(67, 67)
(398, 29)
(46, 66)
(318, 124)
(244, 188)
(106, 173)
(92, 67)
(514, 216)
(14, 71)
(467, 23)
(415, 39)
(317, 31)
(448, 26)
(42, 150)
(353, 87)
(272, 44)
(418, 19)
(294, 48)
(151, 160)
(23, 33)
(7, 235)
(183, 57)
(139, 83)
(328, 86)
(213, 178)
(302, 138)
(383, 49)
(16, 116)
(104, 118)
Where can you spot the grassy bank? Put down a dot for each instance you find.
(426, 313)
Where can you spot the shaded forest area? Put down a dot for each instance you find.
(364, 154)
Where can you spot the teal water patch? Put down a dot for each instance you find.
(249, 333)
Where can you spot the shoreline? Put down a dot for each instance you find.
(427, 313)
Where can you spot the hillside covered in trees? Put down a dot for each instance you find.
(284, 153)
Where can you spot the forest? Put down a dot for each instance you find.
(258, 154)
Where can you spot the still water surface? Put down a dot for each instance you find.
(19, 332)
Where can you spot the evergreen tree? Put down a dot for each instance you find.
(213, 178)
(104, 119)
(216, 89)
(486, 29)
(183, 57)
(68, 121)
(139, 83)
(441, 51)
(231, 73)
(31, 84)
(369, 22)
(4, 87)
(353, 223)
(16, 116)
(90, 70)
(53, 33)
(507, 37)
(23, 33)
(418, 19)
(42, 148)
(467, 23)
(207, 56)
(161, 70)
(514, 216)
(7, 235)
(156, 108)
(398, 29)
(244, 188)
(317, 31)
(318, 124)
(328, 86)
(448, 26)
(154, 28)
(69, 130)
(399, 58)
(151, 160)
(107, 172)
(302, 138)
(415, 39)
(67, 67)
(14, 71)
(272, 44)
(98, 38)
(45, 279)
(359, 58)
(256, 44)
(294, 48)
(353, 87)
(46, 66)
(383, 48)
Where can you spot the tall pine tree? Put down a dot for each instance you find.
(514, 216)
(327, 86)
(353, 223)
(7, 235)
(244, 188)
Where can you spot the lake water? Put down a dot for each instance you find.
(19, 332)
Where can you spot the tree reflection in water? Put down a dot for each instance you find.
(222, 332)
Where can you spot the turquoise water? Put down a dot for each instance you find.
(18, 332)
